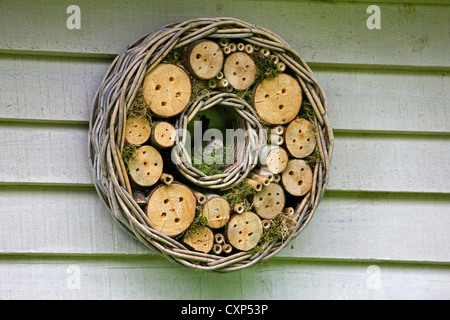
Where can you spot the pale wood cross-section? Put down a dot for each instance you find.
(163, 135)
(244, 231)
(200, 239)
(171, 208)
(300, 138)
(274, 158)
(167, 90)
(146, 166)
(297, 178)
(278, 99)
(137, 130)
(270, 201)
(204, 59)
(216, 211)
(240, 70)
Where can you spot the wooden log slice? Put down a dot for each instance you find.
(146, 166)
(216, 211)
(274, 158)
(244, 231)
(171, 209)
(297, 178)
(300, 138)
(200, 239)
(137, 130)
(204, 59)
(270, 201)
(167, 90)
(240, 70)
(163, 135)
(278, 100)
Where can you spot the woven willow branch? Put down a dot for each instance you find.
(107, 139)
(250, 137)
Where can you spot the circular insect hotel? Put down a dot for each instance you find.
(223, 202)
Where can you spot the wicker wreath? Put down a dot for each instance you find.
(250, 138)
(211, 218)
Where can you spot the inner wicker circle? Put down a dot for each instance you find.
(239, 155)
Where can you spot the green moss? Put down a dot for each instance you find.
(139, 108)
(307, 111)
(199, 221)
(314, 158)
(240, 194)
(265, 67)
(280, 229)
(175, 56)
(127, 155)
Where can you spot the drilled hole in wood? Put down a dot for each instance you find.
(163, 215)
(166, 201)
(171, 79)
(177, 220)
(158, 87)
(163, 103)
(181, 199)
(198, 56)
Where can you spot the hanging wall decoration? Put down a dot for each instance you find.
(210, 143)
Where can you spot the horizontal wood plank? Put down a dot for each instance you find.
(42, 154)
(363, 226)
(55, 89)
(323, 32)
(146, 278)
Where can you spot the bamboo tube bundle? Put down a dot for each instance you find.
(155, 87)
